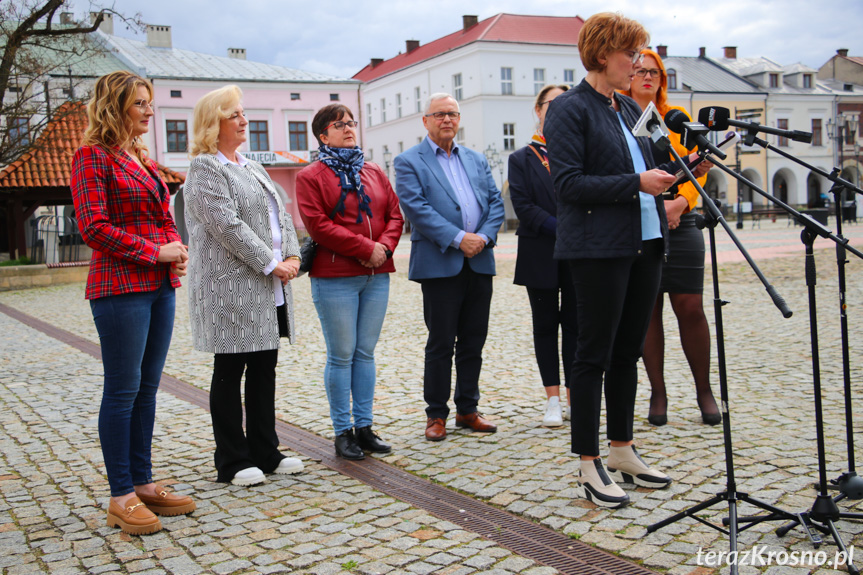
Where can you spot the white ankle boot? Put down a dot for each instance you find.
(595, 485)
(626, 466)
(553, 416)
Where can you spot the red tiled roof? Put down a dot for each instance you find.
(49, 162)
(558, 30)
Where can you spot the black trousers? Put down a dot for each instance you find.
(456, 313)
(554, 310)
(259, 445)
(615, 299)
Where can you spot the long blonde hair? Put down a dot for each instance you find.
(210, 110)
(109, 123)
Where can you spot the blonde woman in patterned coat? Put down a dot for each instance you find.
(240, 302)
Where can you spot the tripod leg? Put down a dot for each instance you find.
(732, 532)
(841, 545)
(686, 512)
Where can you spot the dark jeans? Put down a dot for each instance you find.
(615, 298)
(135, 332)
(259, 446)
(456, 313)
(553, 310)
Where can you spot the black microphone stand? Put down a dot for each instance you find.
(849, 483)
(730, 494)
(824, 512)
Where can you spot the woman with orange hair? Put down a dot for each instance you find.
(123, 213)
(683, 269)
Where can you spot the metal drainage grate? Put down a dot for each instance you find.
(519, 535)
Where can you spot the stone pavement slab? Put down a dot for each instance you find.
(524, 468)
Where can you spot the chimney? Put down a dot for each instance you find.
(702, 52)
(469, 21)
(662, 51)
(107, 25)
(842, 52)
(412, 45)
(377, 62)
(67, 18)
(158, 36)
(730, 52)
(237, 53)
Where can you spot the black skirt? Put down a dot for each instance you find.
(684, 270)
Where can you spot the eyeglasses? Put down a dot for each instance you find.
(144, 104)
(656, 72)
(341, 125)
(439, 116)
(635, 56)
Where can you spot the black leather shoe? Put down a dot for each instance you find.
(368, 440)
(347, 447)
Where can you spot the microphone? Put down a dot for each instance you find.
(692, 133)
(650, 124)
(716, 118)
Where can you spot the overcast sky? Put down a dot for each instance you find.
(340, 37)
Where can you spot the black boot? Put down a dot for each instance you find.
(370, 441)
(346, 446)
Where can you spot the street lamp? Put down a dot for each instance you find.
(388, 158)
(494, 161)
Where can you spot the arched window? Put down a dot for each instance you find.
(672, 78)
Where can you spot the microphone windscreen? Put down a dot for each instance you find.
(714, 118)
(675, 119)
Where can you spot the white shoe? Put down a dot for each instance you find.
(595, 485)
(625, 465)
(552, 417)
(248, 476)
(289, 465)
(567, 413)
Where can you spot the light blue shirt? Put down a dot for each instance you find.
(471, 212)
(650, 226)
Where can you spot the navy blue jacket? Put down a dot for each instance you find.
(598, 206)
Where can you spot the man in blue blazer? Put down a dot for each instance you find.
(455, 209)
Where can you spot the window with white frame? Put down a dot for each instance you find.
(18, 131)
(506, 81)
(782, 124)
(509, 137)
(398, 105)
(569, 78)
(816, 132)
(259, 139)
(383, 110)
(456, 87)
(368, 115)
(298, 136)
(459, 137)
(177, 133)
(418, 98)
(538, 80)
(671, 73)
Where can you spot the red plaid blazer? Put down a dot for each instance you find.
(123, 215)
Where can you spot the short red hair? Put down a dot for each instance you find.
(608, 32)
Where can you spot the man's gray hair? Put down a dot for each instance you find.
(440, 96)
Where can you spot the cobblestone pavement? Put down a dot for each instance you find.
(53, 489)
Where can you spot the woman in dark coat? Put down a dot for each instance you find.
(548, 283)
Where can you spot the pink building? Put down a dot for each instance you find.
(279, 102)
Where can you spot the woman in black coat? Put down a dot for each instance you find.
(548, 282)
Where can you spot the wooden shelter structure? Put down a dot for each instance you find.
(40, 177)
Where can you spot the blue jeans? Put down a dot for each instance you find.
(351, 310)
(135, 332)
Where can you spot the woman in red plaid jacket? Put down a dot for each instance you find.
(122, 209)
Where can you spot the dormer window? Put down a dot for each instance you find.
(774, 80)
(807, 80)
(672, 78)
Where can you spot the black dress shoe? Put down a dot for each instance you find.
(371, 441)
(711, 418)
(347, 447)
(657, 420)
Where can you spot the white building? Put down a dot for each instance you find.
(494, 68)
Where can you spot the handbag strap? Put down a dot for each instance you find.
(538, 155)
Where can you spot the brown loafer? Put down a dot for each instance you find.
(134, 519)
(475, 421)
(167, 503)
(436, 429)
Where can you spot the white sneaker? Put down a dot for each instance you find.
(595, 485)
(289, 465)
(567, 413)
(248, 476)
(625, 465)
(552, 417)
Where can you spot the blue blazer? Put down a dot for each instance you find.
(433, 209)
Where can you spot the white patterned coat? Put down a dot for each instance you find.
(232, 304)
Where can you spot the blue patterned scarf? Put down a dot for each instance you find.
(346, 163)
